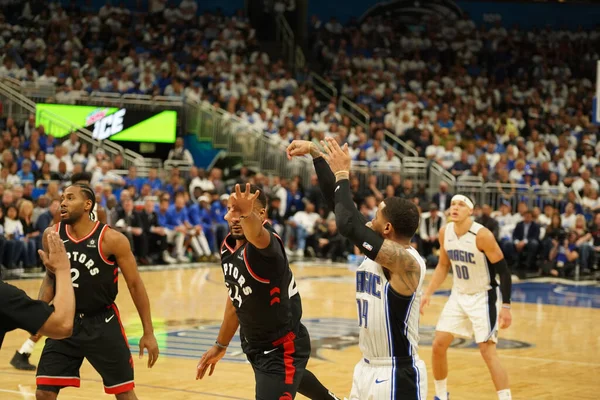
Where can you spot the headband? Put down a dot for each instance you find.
(465, 199)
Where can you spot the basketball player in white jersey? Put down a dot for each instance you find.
(388, 282)
(476, 305)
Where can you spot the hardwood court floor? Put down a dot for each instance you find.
(553, 351)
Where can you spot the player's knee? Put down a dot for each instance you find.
(44, 395)
(440, 344)
(488, 351)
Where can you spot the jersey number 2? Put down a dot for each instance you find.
(462, 272)
(74, 276)
(363, 312)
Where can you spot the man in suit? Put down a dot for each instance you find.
(526, 238)
(443, 198)
(486, 220)
(154, 236)
(430, 229)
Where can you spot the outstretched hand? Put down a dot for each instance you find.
(301, 148)
(242, 204)
(338, 157)
(56, 256)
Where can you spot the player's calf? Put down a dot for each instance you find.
(45, 395)
(126, 396)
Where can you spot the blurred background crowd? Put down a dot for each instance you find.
(495, 103)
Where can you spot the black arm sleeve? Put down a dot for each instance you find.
(501, 268)
(326, 181)
(17, 310)
(351, 223)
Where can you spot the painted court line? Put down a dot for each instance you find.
(168, 389)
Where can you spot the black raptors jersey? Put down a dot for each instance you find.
(95, 278)
(263, 290)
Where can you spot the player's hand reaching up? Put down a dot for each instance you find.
(209, 359)
(148, 342)
(242, 204)
(300, 148)
(338, 157)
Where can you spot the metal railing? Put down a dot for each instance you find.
(286, 39)
(257, 150)
(19, 106)
(354, 112)
(404, 149)
(322, 86)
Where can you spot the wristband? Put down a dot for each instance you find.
(219, 345)
(507, 306)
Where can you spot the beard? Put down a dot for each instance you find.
(71, 218)
(239, 236)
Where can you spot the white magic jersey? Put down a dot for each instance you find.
(389, 322)
(469, 264)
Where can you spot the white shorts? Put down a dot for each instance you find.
(382, 379)
(472, 315)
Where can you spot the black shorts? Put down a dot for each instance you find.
(100, 339)
(278, 371)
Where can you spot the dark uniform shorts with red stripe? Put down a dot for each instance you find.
(100, 338)
(278, 370)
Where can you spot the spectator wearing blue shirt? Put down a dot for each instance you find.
(133, 180)
(173, 232)
(201, 230)
(294, 199)
(218, 210)
(25, 174)
(153, 180)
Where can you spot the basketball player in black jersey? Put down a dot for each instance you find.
(21, 358)
(96, 253)
(264, 302)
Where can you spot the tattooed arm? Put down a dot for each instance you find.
(403, 265)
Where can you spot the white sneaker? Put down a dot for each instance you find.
(168, 259)
(300, 253)
(183, 259)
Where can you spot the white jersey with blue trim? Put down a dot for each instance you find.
(470, 266)
(388, 321)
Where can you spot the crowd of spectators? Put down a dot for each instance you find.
(507, 106)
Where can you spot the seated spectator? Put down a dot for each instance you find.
(302, 226)
(218, 209)
(489, 222)
(429, 230)
(30, 234)
(564, 256)
(331, 245)
(200, 225)
(13, 231)
(44, 220)
(526, 238)
(153, 243)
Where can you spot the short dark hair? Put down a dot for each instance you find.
(262, 197)
(81, 177)
(89, 194)
(403, 214)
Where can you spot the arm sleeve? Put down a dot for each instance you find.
(351, 223)
(20, 311)
(501, 268)
(326, 181)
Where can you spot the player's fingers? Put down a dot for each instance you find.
(247, 192)
(212, 369)
(238, 191)
(326, 147)
(52, 238)
(255, 195)
(335, 147)
(141, 350)
(345, 149)
(43, 256)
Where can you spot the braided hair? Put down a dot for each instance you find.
(90, 195)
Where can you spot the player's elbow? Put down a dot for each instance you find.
(58, 327)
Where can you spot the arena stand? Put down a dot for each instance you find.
(421, 130)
